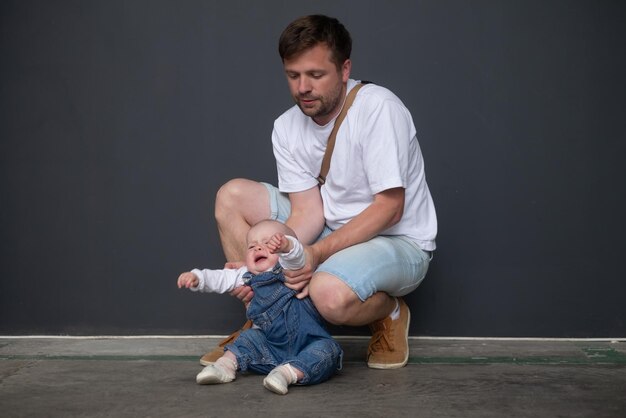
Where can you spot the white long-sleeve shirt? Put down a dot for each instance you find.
(226, 280)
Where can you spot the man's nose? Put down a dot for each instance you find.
(304, 85)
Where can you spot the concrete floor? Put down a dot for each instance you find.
(155, 377)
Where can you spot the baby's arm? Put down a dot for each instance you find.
(213, 281)
(295, 258)
(279, 243)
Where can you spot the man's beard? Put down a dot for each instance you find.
(327, 104)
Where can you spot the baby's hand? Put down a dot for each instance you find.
(278, 243)
(273, 244)
(187, 280)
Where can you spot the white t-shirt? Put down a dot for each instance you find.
(376, 149)
(226, 280)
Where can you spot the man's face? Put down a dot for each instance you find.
(315, 83)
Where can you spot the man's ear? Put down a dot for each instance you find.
(345, 70)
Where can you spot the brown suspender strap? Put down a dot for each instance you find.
(321, 179)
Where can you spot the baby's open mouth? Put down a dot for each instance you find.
(260, 258)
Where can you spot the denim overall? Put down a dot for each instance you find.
(290, 330)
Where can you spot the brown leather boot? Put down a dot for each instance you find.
(389, 346)
(217, 352)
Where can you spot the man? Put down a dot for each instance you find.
(371, 226)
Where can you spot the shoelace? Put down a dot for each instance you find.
(381, 340)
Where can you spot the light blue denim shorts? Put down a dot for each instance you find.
(386, 263)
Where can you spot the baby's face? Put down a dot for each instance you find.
(258, 256)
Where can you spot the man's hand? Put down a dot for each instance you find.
(243, 293)
(299, 279)
(233, 264)
(187, 280)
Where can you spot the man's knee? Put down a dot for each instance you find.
(231, 192)
(242, 199)
(334, 300)
(231, 196)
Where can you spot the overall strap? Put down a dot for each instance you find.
(321, 179)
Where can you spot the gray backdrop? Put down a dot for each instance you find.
(120, 120)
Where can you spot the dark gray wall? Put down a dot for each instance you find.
(120, 119)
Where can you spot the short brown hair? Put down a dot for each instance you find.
(308, 31)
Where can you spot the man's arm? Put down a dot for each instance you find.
(384, 212)
(307, 214)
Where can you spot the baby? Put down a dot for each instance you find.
(289, 341)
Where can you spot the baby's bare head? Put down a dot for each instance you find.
(263, 230)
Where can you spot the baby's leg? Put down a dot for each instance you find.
(222, 371)
(279, 379)
(318, 361)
